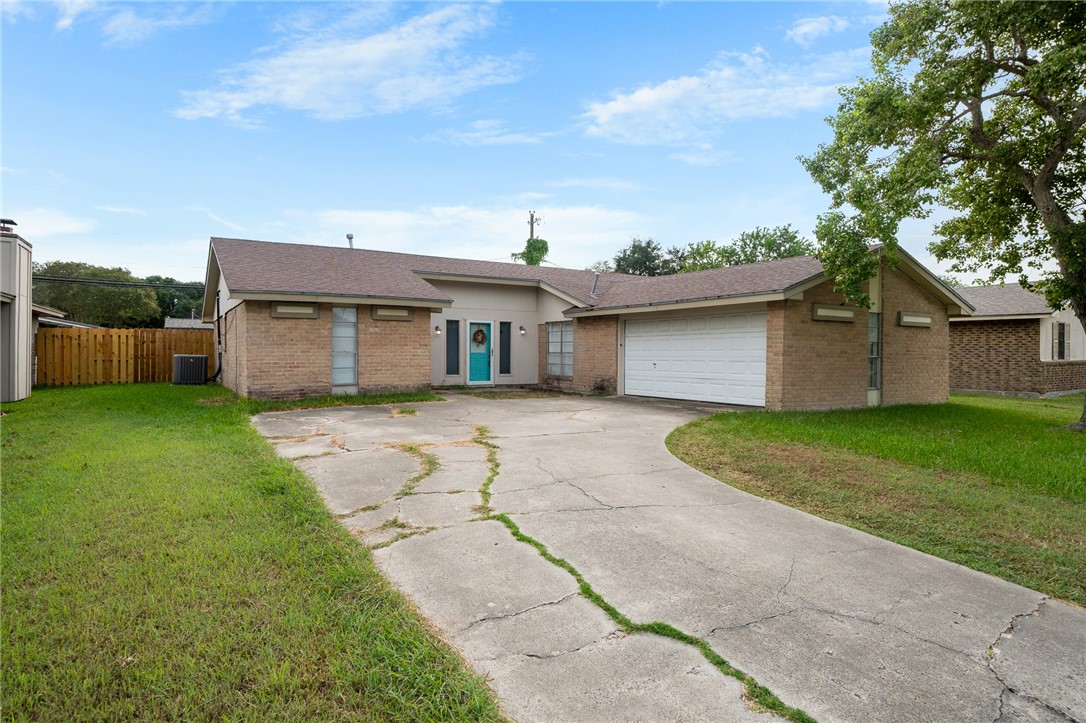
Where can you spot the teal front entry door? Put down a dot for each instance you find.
(479, 346)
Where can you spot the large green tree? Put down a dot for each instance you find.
(640, 258)
(112, 306)
(977, 107)
(179, 303)
(761, 244)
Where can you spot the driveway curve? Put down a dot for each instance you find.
(837, 623)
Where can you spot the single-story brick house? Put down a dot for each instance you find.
(1016, 344)
(297, 320)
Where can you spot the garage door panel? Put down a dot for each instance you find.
(717, 358)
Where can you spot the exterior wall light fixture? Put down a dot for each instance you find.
(523, 331)
(437, 330)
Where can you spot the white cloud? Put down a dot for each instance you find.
(486, 133)
(702, 157)
(805, 30)
(578, 235)
(126, 27)
(69, 10)
(688, 110)
(604, 184)
(218, 219)
(122, 209)
(43, 223)
(14, 10)
(338, 75)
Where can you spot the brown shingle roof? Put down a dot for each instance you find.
(260, 266)
(1005, 300)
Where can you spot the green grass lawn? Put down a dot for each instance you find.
(992, 483)
(159, 562)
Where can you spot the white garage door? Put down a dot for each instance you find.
(706, 358)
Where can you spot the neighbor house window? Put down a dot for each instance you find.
(874, 350)
(1059, 340)
(505, 347)
(560, 349)
(452, 348)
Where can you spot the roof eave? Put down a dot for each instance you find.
(1005, 317)
(707, 301)
(326, 298)
(508, 281)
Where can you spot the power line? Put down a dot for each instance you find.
(109, 282)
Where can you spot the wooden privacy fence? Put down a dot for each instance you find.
(117, 356)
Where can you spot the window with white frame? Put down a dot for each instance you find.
(1060, 340)
(560, 349)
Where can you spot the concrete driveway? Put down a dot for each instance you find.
(840, 624)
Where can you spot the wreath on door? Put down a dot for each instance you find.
(479, 337)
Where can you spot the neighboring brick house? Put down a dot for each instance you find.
(297, 320)
(1016, 344)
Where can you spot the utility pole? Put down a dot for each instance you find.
(532, 221)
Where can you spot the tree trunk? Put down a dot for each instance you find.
(1068, 240)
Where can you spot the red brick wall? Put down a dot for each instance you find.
(595, 356)
(234, 374)
(287, 358)
(914, 359)
(814, 364)
(774, 354)
(272, 358)
(393, 356)
(823, 364)
(998, 356)
(1064, 376)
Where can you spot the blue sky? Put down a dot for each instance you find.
(134, 132)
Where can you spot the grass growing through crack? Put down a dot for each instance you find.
(408, 530)
(160, 562)
(482, 438)
(759, 694)
(428, 464)
(756, 693)
(991, 483)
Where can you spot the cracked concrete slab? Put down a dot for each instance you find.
(315, 446)
(631, 677)
(439, 509)
(545, 631)
(461, 575)
(350, 481)
(1043, 652)
(839, 623)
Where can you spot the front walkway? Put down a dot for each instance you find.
(837, 623)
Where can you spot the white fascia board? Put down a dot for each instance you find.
(692, 304)
(211, 285)
(1003, 317)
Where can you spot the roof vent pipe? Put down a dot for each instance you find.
(350, 240)
(595, 281)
